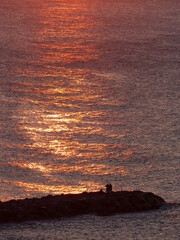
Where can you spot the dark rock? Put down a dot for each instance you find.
(99, 203)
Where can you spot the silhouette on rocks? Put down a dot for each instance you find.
(69, 205)
(108, 188)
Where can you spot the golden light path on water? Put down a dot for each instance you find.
(65, 109)
(88, 95)
(42, 128)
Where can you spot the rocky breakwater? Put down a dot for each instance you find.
(59, 206)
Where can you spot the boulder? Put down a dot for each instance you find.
(69, 205)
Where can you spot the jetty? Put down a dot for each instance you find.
(70, 205)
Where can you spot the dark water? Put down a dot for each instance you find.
(163, 224)
(89, 95)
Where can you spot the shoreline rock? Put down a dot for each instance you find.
(69, 205)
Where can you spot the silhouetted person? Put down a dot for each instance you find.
(108, 188)
(101, 191)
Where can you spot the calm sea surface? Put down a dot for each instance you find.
(89, 94)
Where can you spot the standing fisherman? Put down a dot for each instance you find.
(108, 188)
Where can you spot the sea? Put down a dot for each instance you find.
(89, 95)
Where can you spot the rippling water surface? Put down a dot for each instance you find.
(162, 224)
(89, 95)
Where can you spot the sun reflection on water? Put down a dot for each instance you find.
(65, 112)
(52, 189)
(92, 169)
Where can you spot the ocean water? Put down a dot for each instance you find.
(89, 94)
